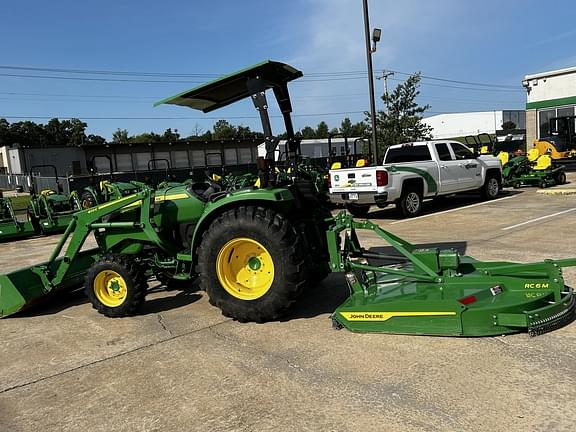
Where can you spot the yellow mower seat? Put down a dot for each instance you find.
(336, 165)
(360, 163)
(533, 154)
(484, 150)
(543, 163)
(504, 157)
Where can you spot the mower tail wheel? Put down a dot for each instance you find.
(115, 286)
(251, 262)
(561, 178)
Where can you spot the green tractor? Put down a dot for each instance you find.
(256, 250)
(11, 228)
(50, 211)
(104, 190)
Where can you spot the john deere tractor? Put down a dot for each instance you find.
(255, 250)
(103, 189)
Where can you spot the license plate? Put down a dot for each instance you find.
(352, 196)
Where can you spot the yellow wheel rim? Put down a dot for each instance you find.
(110, 288)
(245, 268)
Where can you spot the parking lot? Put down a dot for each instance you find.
(182, 366)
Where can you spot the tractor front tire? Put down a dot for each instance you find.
(251, 262)
(88, 200)
(116, 286)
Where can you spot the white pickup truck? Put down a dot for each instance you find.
(412, 172)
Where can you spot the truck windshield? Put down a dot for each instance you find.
(408, 153)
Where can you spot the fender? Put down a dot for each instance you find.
(279, 198)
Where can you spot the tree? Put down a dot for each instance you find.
(223, 130)
(308, 133)
(120, 136)
(322, 130)
(146, 138)
(346, 127)
(508, 125)
(169, 136)
(74, 131)
(402, 120)
(95, 140)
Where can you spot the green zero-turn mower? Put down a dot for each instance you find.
(256, 250)
(530, 170)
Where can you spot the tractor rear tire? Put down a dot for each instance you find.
(251, 262)
(491, 188)
(357, 210)
(88, 200)
(116, 286)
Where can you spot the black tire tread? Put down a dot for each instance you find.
(283, 293)
(137, 285)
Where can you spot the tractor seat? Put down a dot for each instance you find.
(336, 165)
(360, 163)
(504, 157)
(533, 154)
(543, 163)
(203, 190)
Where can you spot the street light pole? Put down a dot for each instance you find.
(369, 51)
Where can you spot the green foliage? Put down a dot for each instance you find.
(120, 136)
(402, 120)
(54, 133)
(508, 125)
(322, 130)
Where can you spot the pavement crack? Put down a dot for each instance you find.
(112, 357)
(163, 324)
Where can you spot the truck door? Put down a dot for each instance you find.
(449, 170)
(469, 169)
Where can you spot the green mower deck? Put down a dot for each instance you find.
(439, 292)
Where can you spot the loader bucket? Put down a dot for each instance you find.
(12, 231)
(438, 292)
(21, 288)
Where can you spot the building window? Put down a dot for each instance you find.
(141, 161)
(565, 112)
(180, 159)
(230, 156)
(162, 158)
(124, 162)
(244, 155)
(544, 117)
(197, 158)
(214, 158)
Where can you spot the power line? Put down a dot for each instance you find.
(174, 118)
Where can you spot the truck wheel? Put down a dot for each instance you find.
(251, 262)
(358, 210)
(410, 203)
(115, 286)
(491, 188)
(88, 200)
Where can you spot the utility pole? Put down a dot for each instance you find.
(369, 50)
(385, 75)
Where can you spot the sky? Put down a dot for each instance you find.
(107, 62)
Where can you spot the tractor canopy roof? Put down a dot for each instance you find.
(234, 87)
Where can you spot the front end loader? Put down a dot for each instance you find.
(255, 250)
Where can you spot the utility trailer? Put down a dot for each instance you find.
(254, 251)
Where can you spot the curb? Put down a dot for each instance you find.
(557, 191)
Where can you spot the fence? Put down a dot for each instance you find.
(77, 183)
